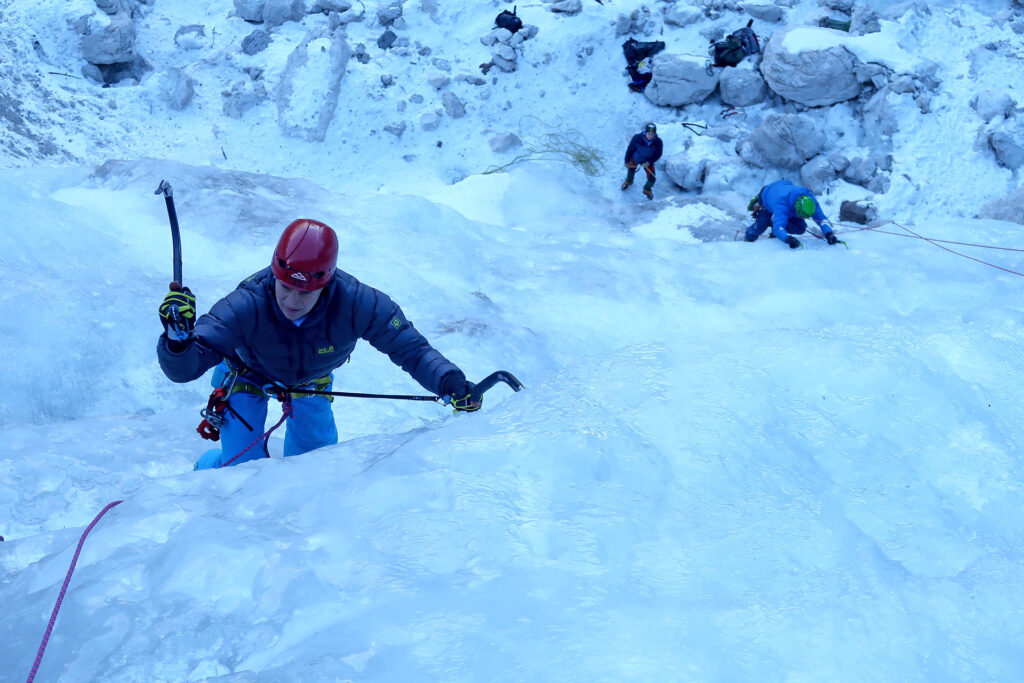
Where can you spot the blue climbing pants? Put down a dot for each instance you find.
(310, 426)
(763, 220)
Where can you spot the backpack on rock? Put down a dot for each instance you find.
(731, 50)
(509, 20)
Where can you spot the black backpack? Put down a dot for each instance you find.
(635, 52)
(731, 50)
(509, 20)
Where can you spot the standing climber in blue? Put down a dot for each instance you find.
(785, 207)
(288, 327)
(643, 150)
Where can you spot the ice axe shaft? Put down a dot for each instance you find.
(164, 188)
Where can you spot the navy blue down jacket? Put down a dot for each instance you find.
(247, 327)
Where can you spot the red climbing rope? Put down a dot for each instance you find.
(286, 410)
(939, 244)
(63, 590)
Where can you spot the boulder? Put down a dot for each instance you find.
(255, 42)
(682, 16)
(387, 14)
(277, 12)
(678, 80)
(741, 87)
(879, 119)
(191, 37)
(784, 140)
(453, 106)
(857, 212)
(764, 11)
(307, 94)
(860, 172)
(243, 96)
(992, 103)
(1006, 208)
(504, 142)
(686, 171)
(1007, 141)
(430, 121)
(503, 57)
(817, 173)
(250, 10)
(567, 6)
(176, 89)
(109, 42)
(813, 77)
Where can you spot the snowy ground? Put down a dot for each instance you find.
(732, 461)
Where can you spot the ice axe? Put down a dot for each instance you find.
(180, 329)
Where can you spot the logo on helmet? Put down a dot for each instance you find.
(299, 276)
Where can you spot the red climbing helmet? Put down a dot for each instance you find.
(306, 255)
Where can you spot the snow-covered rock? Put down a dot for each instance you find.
(1007, 141)
(504, 142)
(277, 12)
(783, 140)
(250, 10)
(813, 77)
(108, 40)
(678, 80)
(176, 89)
(992, 103)
(741, 87)
(307, 95)
(1007, 208)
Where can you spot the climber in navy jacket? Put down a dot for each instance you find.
(289, 326)
(643, 150)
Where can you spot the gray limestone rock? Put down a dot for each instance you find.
(1006, 208)
(817, 173)
(813, 78)
(504, 142)
(250, 10)
(255, 42)
(764, 11)
(1007, 141)
(678, 80)
(191, 37)
(430, 121)
(453, 106)
(277, 12)
(438, 81)
(860, 212)
(112, 43)
(741, 87)
(992, 103)
(176, 89)
(302, 112)
(242, 97)
(784, 140)
(387, 14)
(567, 6)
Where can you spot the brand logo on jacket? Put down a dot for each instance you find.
(325, 349)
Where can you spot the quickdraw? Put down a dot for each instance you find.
(216, 407)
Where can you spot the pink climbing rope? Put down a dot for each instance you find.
(63, 590)
(286, 408)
